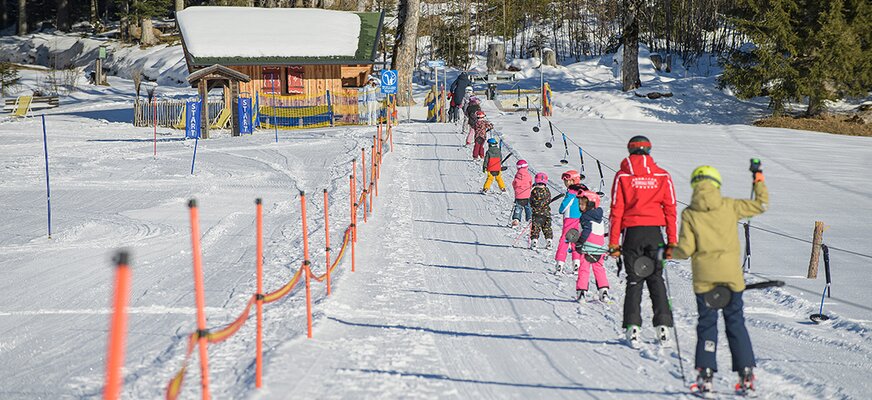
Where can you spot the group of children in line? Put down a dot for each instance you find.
(642, 207)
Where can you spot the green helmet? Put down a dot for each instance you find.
(705, 172)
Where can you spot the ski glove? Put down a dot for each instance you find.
(758, 177)
(614, 250)
(667, 252)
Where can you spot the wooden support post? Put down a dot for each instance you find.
(815, 250)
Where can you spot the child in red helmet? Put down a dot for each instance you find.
(482, 126)
(592, 246)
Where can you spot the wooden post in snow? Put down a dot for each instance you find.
(815, 250)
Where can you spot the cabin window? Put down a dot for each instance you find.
(272, 80)
(295, 79)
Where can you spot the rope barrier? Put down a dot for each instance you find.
(213, 336)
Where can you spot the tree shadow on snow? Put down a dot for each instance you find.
(504, 246)
(547, 386)
(477, 334)
(427, 144)
(476, 269)
(455, 223)
(444, 192)
(488, 296)
(110, 115)
(160, 140)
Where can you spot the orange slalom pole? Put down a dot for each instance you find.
(327, 236)
(354, 199)
(363, 177)
(370, 197)
(374, 164)
(258, 371)
(200, 299)
(306, 264)
(353, 217)
(117, 327)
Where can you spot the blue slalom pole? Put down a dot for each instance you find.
(275, 110)
(196, 141)
(47, 185)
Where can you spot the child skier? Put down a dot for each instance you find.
(540, 202)
(592, 246)
(482, 126)
(471, 109)
(522, 185)
(492, 165)
(708, 237)
(571, 214)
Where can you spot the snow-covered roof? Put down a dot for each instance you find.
(250, 35)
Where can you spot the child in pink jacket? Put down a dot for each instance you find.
(571, 214)
(523, 185)
(592, 246)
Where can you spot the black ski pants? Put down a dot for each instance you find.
(644, 241)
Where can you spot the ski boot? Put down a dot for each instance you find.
(503, 190)
(515, 223)
(579, 295)
(632, 336)
(663, 335)
(703, 386)
(484, 191)
(534, 244)
(559, 269)
(604, 295)
(548, 243)
(746, 387)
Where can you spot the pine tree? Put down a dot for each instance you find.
(769, 68)
(831, 59)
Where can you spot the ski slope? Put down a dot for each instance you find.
(442, 304)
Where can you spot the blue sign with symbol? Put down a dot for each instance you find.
(389, 81)
(192, 125)
(244, 115)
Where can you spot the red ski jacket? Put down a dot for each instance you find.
(642, 195)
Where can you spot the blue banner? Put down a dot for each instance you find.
(244, 105)
(192, 116)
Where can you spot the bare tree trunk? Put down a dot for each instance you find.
(668, 58)
(22, 17)
(63, 15)
(180, 5)
(361, 5)
(146, 33)
(630, 40)
(404, 48)
(4, 14)
(93, 17)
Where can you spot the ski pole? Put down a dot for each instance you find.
(530, 225)
(674, 329)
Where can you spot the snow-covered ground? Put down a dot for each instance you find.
(443, 304)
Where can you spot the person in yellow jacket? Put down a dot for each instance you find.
(709, 238)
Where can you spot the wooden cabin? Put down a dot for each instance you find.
(285, 51)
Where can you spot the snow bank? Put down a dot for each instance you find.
(268, 32)
(164, 64)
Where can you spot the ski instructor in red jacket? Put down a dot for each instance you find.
(643, 202)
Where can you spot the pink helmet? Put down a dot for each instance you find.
(522, 164)
(591, 196)
(541, 177)
(473, 100)
(572, 176)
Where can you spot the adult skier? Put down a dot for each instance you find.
(643, 202)
(458, 89)
(708, 237)
(540, 202)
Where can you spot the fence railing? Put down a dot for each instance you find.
(168, 113)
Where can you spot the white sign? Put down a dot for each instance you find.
(436, 63)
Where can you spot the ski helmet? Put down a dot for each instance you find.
(639, 145)
(522, 164)
(705, 172)
(469, 89)
(492, 142)
(541, 177)
(473, 100)
(479, 114)
(591, 196)
(572, 176)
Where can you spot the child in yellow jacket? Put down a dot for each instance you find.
(708, 237)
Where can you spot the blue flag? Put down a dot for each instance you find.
(192, 116)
